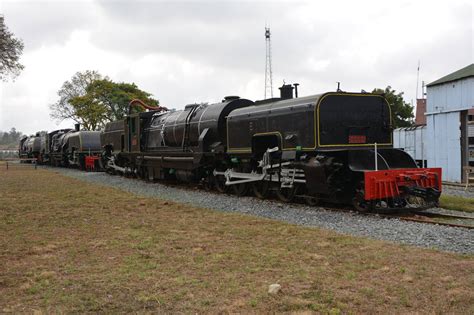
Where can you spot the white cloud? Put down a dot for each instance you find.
(193, 51)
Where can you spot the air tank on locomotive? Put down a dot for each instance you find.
(79, 144)
(82, 141)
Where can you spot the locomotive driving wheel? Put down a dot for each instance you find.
(143, 173)
(312, 200)
(260, 189)
(208, 183)
(286, 194)
(360, 204)
(240, 189)
(219, 183)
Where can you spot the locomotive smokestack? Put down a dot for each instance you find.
(286, 91)
(296, 89)
(77, 127)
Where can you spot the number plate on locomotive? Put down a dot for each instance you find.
(357, 139)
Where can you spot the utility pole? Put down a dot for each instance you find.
(268, 65)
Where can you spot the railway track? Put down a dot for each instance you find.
(421, 217)
(437, 218)
(417, 216)
(442, 215)
(465, 226)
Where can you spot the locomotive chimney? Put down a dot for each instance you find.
(286, 91)
(296, 89)
(77, 127)
(230, 98)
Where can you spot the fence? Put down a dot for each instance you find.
(8, 154)
(12, 163)
(469, 175)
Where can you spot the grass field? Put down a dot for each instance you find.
(457, 203)
(68, 246)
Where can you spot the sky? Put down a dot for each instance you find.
(200, 51)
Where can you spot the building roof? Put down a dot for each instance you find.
(465, 72)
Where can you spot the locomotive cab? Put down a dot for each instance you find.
(349, 120)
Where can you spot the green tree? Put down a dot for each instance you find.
(11, 49)
(114, 98)
(10, 138)
(65, 108)
(92, 101)
(402, 112)
(90, 114)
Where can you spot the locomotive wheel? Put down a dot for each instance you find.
(260, 189)
(362, 205)
(82, 166)
(101, 164)
(143, 173)
(208, 183)
(312, 200)
(286, 194)
(240, 189)
(219, 183)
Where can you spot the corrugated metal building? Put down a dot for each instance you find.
(448, 102)
(412, 140)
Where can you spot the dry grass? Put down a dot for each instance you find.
(68, 246)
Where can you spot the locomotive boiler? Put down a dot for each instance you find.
(186, 144)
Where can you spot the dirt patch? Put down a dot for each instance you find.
(68, 246)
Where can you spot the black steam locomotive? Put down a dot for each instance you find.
(63, 147)
(335, 146)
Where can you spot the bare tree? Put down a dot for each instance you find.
(11, 49)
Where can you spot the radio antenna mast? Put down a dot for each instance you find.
(268, 65)
(417, 79)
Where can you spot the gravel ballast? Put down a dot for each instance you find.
(451, 239)
(458, 191)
